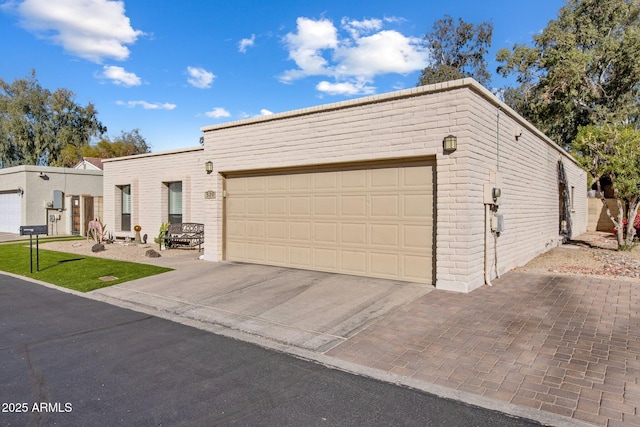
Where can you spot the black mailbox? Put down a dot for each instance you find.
(33, 230)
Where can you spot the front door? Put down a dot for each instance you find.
(564, 203)
(75, 215)
(87, 211)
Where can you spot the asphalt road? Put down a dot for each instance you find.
(68, 360)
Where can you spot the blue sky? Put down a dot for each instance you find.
(169, 67)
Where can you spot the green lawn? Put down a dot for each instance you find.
(72, 271)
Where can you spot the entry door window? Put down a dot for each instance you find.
(125, 222)
(175, 202)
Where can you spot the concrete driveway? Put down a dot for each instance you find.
(305, 309)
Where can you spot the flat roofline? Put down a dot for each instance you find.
(159, 153)
(49, 169)
(405, 93)
(468, 83)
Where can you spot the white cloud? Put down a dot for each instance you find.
(199, 77)
(346, 88)
(356, 28)
(265, 112)
(245, 43)
(217, 112)
(120, 77)
(381, 53)
(394, 19)
(306, 47)
(90, 29)
(352, 57)
(147, 105)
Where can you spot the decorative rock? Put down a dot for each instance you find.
(98, 247)
(152, 254)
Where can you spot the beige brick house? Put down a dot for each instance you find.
(151, 189)
(367, 187)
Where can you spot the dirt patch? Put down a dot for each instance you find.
(118, 250)
(592, 254)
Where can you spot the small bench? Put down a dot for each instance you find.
(185, 234)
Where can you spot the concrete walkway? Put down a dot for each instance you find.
(563, 350)
(8, 237)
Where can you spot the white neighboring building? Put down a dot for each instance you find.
(64, 199)
(91, 163)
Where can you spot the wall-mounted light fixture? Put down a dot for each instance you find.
(208, 167)
(450, 143)
(518, 133)
(20, 191)
(44, 176)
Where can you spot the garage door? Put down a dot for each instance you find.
(10, 208)
(368, 220)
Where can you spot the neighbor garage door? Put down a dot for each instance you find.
(369, 220)
(10, 209)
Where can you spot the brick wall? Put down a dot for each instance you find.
(413, 123)
(148, 174)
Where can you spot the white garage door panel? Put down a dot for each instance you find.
(374, 222)
(10, 212)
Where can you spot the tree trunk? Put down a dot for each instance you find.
(620, 224)
(632, 211)
(617, 223)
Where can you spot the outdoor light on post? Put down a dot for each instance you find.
(209, 166)
(450, 143)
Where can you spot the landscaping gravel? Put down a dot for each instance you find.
(123, 251)
(592, 254)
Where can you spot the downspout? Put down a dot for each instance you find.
(487, 216)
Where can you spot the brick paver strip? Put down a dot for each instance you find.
(568, 345)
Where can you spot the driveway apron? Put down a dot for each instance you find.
(310, 310)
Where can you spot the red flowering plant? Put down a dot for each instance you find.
(636, 225)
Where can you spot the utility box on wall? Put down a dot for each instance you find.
(58, 199)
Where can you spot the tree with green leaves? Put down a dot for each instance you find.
(580, 84)
(457, 51)
(36, 125)
(127, 144)
(614, 152)
(582, 69)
